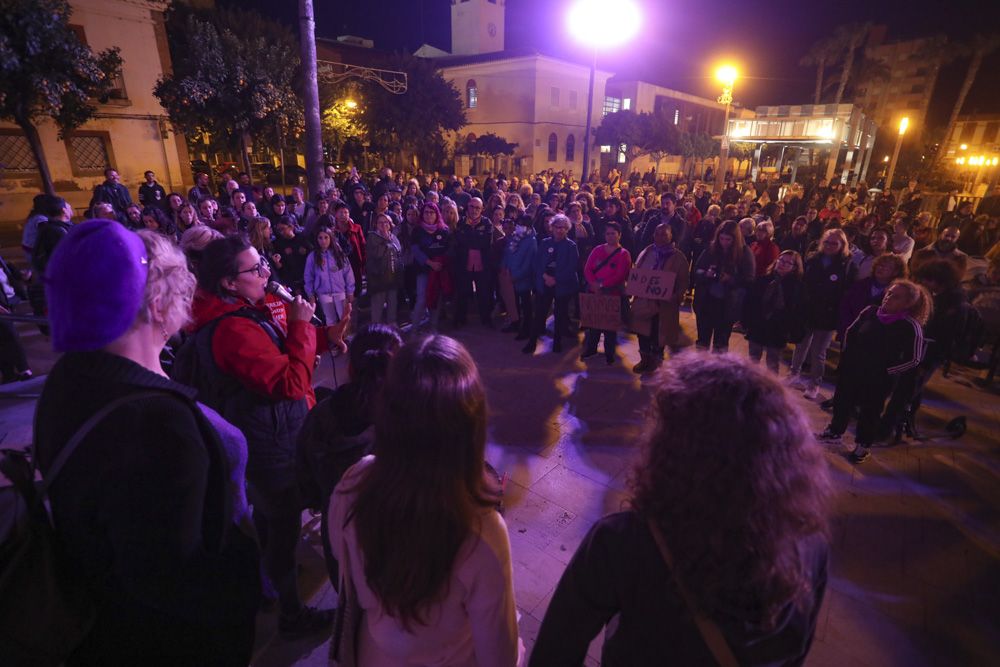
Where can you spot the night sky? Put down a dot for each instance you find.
(682, 40)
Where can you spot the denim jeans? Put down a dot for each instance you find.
(420, 307)
(815, 344)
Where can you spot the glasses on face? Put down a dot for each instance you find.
(259, 268)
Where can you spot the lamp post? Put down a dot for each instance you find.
(599, 24)
(903, 124)
(726, 75)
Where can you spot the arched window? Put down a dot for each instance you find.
(570, 148)
(471, 94)
(553, 147)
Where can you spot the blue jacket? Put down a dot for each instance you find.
(329, 278)
(566, 258)
(520, 262)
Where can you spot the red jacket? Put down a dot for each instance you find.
(243, 350)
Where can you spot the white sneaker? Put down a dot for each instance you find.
(811, 393)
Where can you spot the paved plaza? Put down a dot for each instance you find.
(915, 574)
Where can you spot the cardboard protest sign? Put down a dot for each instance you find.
(650, 284)
(601, 311)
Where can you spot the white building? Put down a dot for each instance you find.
(130, 131)
(540, 102)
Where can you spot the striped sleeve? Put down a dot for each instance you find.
(914, 351)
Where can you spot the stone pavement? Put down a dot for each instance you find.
(915, 574)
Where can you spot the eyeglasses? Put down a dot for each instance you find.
(259, 268)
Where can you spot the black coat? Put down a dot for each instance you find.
(618, 572)
(143, 509)
(772, 312)
(826, 285)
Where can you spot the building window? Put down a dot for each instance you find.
(570, 148)
(471, 94)
(15, 154)
(992, 133)
(612, 105)
(627, 103)
(622, 149)
(89, 153)
(606, 149)
(677, 116)
(553, 147)
(555, 97)
(922, 71)
(572, 99)
(918, 88)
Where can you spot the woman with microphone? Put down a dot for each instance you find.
(259, 377)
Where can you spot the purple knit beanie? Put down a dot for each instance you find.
(94, 285)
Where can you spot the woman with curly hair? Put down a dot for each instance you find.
(883, 343)
(725, 535)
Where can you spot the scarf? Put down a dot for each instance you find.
(889, 318)
(430, 228)
(661, 255)
(516, 238)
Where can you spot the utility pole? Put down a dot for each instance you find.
(310, 97)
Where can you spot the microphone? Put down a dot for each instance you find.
(280, 291)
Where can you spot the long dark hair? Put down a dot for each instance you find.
(218, 261)
(420, 499)
(368, 362)
(335, 250)
(735, 253)
(735, 481)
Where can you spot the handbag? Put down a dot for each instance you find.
(347, 620)
(709, 630)
(44, 613)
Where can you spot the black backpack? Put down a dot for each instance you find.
(44, 613)
(193, 364)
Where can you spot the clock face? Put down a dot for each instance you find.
(492, 29)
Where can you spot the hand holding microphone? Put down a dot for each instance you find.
(299, 310)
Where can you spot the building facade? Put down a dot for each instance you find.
(972, 152)
(130, 132)
(914, 66)
(537, 102)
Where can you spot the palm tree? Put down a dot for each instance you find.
(982, 45)
(851, 37)
(823, 53)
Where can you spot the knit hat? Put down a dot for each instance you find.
(94, 285)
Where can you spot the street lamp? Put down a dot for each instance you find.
(600, 24)
(903, 124)
(726, 75)
(351, 104)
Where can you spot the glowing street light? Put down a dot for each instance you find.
(600, 24)
(964, 147)
(351, 104)
(904, 124)
(726, 75)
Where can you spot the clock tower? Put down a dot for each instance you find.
(476, 26)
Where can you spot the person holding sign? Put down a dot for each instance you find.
(721, 276)
(656, 308)
(606, 272)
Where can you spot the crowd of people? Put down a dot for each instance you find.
(210, 311)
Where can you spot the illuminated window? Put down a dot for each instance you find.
(605, 149)
(471, 94)
(677, 116)
(612, 105)
(570, 148)
(627, 103)
(553, 147)
(621, 153)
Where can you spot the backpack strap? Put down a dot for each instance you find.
(709, 630)
(82, 433)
